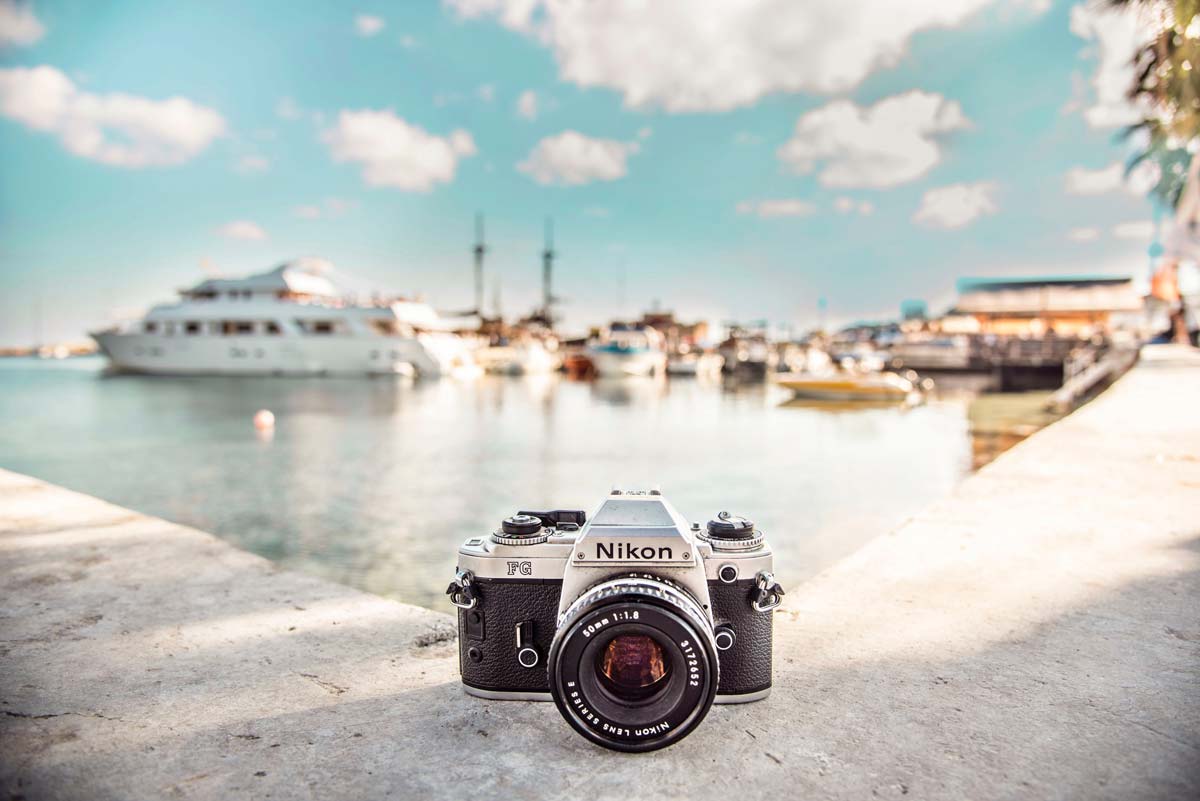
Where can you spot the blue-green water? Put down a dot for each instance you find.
(374, 482)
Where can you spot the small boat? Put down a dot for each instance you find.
(576, 364)
(849, 386)
(525, 357)
(696, 364)
(628, 350)
(747, 356)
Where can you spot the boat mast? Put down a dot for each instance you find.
(547, 271)
(479, 250)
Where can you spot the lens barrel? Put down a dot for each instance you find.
(633, 666)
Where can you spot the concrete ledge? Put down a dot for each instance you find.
(1036, 635)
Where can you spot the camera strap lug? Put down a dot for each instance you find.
(767, 592)
(462, 590)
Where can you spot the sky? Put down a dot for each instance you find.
(744, 162)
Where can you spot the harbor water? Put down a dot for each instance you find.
(374, 482)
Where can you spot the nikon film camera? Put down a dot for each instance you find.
(634, 623)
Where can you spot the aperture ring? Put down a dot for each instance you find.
(646, 586)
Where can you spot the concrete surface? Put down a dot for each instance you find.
(1037, 635)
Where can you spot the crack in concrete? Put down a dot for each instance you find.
(46, 716)
(328, 686)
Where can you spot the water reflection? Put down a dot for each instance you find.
(844, 406)
(639, 390)
(373, 482)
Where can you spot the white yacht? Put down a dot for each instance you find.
(292, 320)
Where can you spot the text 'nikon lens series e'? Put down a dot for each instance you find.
(634, 622)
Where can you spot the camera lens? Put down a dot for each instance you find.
(633, 666)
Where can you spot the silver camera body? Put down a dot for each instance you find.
(634, 622)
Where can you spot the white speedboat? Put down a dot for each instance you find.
(628, 350)
(292, 320)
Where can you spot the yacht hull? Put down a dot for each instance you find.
(424, 355)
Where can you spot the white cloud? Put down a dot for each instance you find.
(1117, 34)
(527, 104)
(18, 24)
(572, 159)
(252, 164)
(368, 25)
(408, 41)
(243, 230)
(1083, 234)
(645, 133)
(883, 145)
(747, 138)
(848, 205)
(666, 54)
(393, 152)
(1082, 181)
(307, 212)
(783, 207)
(1141, 229)
(116, 129)
(956, 205)
(486, 92)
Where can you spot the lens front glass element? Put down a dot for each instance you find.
(633, 667)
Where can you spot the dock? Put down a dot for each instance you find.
(1034, 635)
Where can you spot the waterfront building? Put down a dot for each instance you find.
(1075, 306)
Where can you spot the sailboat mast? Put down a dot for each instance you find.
(547, 271)
(479, 250)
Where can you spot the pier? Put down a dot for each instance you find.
(1036, 634)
